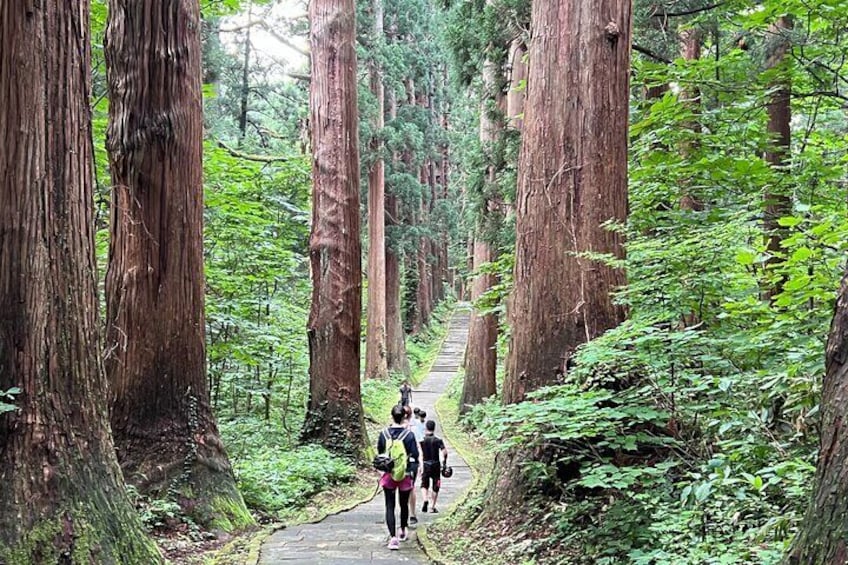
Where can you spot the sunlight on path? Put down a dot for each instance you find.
(359, 536)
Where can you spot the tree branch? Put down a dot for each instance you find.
(647, 52)
(251, 157)
(687, 12)
(284, 41)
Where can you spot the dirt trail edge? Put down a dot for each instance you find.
(359, 536)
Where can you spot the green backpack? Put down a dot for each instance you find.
(397, 454)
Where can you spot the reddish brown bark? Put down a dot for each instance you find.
(396, 358)
(517, 83)
(481, 349)
(62, 494)
(334, 416)
(376, 365)
(576, 110)
(822, 537)
(165, 433)
(690, 50)
(778, 202)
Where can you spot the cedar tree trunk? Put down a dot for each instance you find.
(376, 365)
(396, 357)
(517, 83)
(481, 350)
(823, 537)
(334, 415)
(572, 178)
(62, 497)
(165, 432)
(778, 202)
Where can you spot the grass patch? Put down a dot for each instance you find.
(445, 540)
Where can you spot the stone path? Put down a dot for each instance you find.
(359, 536)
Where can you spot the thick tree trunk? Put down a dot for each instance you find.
(165, 432)
(823, 537)
(422, 280)
(778, 202)
(396, 358)
(334, 417)
(62, 497)
(517, 84)
(481, 351)
(565, 192)
(376, 365)
(577, 109)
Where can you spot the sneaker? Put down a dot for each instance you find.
(394, 544)
(424, 507)
(434, 510)
(403, 535)
(413, 520)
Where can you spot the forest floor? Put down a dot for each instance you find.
(359, 536)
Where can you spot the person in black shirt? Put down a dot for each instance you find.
(405, 394)
(392, 488)
(431, 447)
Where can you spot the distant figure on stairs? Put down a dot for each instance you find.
(405, 394)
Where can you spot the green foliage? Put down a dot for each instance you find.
(688, 434)
(275, 480)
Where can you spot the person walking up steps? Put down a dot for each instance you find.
(410, 420)
(405, 394)
(394, 484)
(431, 447)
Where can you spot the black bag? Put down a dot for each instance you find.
(382, 462)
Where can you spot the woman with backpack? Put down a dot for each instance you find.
(397, 444)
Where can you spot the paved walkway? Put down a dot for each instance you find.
(359, 536)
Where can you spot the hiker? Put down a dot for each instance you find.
(405, 394)
(431, 447)
(399, 479)
(417, 427)
(418, 424)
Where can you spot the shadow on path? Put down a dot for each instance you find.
(359, 536)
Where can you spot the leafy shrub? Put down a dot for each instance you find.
(273, 480)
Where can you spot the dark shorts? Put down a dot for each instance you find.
(431, 471)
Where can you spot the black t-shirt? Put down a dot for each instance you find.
(430, 448)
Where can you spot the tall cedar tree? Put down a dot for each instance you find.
(164, 428)
(481, 352)
(376, 365)
(62, 497)
(517, 83)
(572, 180)
(396, 357)
(778, 202)
(334, 417)
(823, 537)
